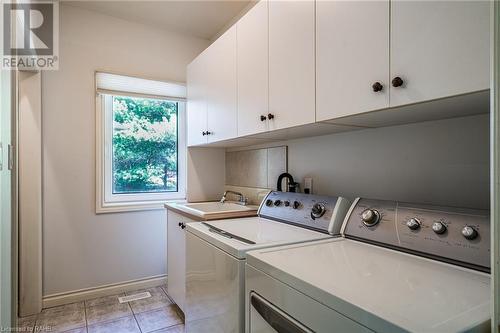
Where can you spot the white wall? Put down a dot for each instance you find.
(442, 162)
(29, 158)
(82, 249)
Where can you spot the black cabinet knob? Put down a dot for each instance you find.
(270, 116)
(180, 223)
(183, 226)
(204, 133)
(397, 82)
(377, 86)
(262, 118)
(208, 132)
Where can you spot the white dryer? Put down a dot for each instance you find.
(216, 253)
(399, 267)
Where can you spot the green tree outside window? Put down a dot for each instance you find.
(144, 145)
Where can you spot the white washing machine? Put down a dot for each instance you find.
(216, 253)
(398, 268)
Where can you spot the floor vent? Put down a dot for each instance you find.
(134, 297)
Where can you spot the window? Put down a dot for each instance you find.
(140, 143)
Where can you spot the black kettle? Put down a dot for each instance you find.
(292, 185)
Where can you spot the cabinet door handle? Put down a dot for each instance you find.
(262, 118)
(377, 86)
(397, 82)
(270, 116)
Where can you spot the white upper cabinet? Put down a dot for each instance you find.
(439, 49)
(222, 87)
(196, 102)
(352, 57)
(252, 54)
(291, 63)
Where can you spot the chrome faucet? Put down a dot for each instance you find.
(242, 199)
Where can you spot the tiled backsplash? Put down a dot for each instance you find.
(258, 168)
(253, 194)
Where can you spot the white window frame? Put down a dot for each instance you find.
(106, 200)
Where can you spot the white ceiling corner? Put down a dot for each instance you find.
(200, 18)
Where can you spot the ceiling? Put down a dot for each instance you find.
(201, 18)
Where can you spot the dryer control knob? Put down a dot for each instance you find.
(277, 202)
(439, 228)
(469, 232)
(269, 202)
(413, 224)
(296, 205)
(318, 210)
(370, 217)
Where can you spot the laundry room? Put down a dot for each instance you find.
(250, 166)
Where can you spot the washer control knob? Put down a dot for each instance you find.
(370, 217)
(439, 228)
(286, 203)
(318, 210)
(277, 202)
(413, 224)
(269, 202)
(296, 204)
(469, 232)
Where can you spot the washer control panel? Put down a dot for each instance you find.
(455, 235)
(317, 212)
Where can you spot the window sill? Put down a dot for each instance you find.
(120, 207)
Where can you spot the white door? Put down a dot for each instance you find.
(221, 88)
(8, 296)
(439, 49)
(291, 63)
(196, 101)
(352, 54)
(176, 257)
(253, 56)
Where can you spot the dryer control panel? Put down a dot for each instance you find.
(316, 212)
(454, 235)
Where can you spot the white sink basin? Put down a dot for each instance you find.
(217, 207)
(217, 210)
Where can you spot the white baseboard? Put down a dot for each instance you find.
(106, 290)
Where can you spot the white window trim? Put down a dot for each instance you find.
(106, 201)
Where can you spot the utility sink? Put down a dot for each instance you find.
(215, 210)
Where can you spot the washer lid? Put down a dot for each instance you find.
(256, 233)
(380, 288)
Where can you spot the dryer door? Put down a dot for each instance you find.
(266, 318)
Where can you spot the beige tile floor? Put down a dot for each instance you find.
(106, 315)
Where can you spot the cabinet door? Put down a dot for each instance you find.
(291, 63)
(439, 48)
(221, 88)
(176, 259)
(253, 55)
(196, 101)
(352, 54)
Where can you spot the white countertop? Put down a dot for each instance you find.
(212, 210)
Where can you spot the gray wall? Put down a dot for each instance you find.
(82, 249)
(442, 162)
